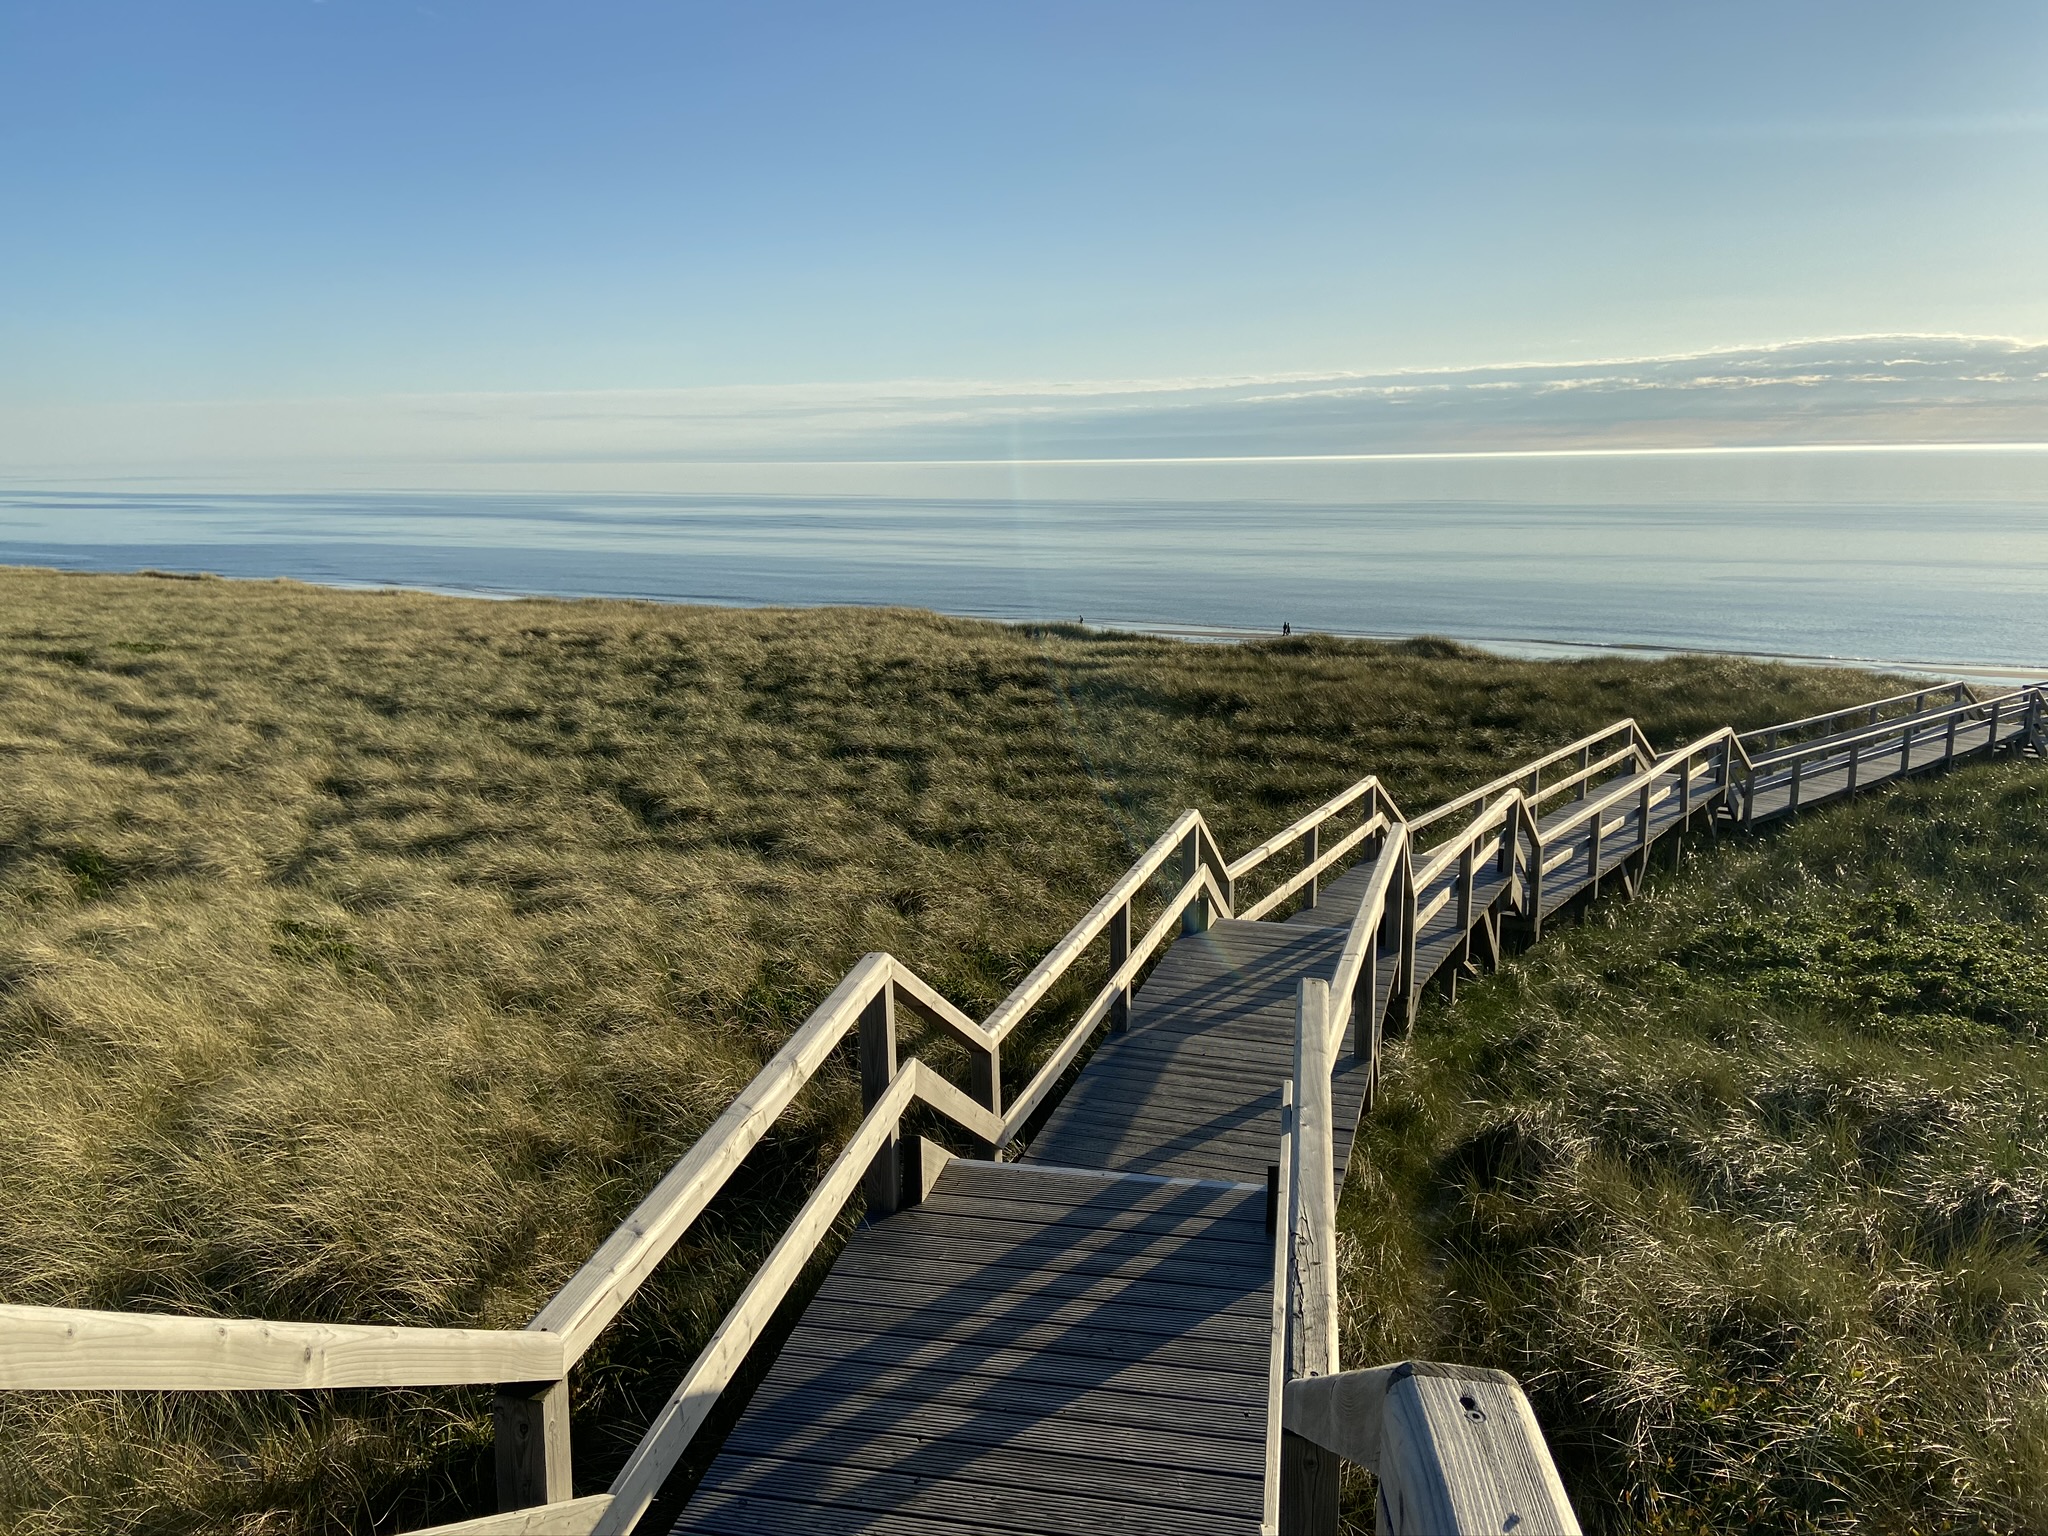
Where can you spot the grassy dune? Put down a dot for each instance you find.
(366, 956)
(1748, 1179)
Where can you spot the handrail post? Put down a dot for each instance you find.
(1467, 882)
(1408, 906)
(1949, 747)
(1906, 748)
(1196, 918)
(1855, 761)
(530, 1423)
(1684, 810)
(1594, 830)
(883, 1182)
(1798, 766)
(1119, 952)
(1365, 1011)
(1311, 849)
(1308, 1473)
(1991, 731)
(985, 1087)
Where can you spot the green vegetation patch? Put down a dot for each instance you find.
(1748, 1179)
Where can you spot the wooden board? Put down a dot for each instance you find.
(1194, 1086)
(958, 1372)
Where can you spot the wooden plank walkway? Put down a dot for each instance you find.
(1028, 1350)
(1080, 1341)
(1193, 1087)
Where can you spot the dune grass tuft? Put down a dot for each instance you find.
(366, 956)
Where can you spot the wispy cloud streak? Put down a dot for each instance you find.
(1878, 390)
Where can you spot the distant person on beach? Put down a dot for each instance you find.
(1286, 628)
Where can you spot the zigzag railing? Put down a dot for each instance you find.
(1607, 775)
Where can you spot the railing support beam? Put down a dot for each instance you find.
(1119, 952)
(1196, 918)
(1309, 1487)
(883, 1184)
(1308, 1473)
(531, 1424)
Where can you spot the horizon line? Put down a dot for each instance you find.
(1399, 456)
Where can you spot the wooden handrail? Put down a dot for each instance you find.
(1629, 756)
(1201, 884)
(1495, 816)
(1886, 730)
(1514, 779)
(1620, 790)
(1725, 738)
(934, 1005)
(595, 1294)
(1960, 689)
(1632, 785)
(570, 1517)
(662, 1446)
(1336, 805)
(1315, 869)
(1312, 1207)
(1279, 1201)
(1308, 1497)
(1363, 934)
(69, 1349)
(1013, 1010)
(1457, 1449)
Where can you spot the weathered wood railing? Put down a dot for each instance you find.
(1377, 811)
(1600, 752)
(1921, 738)
(1456, 1449)
(1587, 826)
(1770, 736)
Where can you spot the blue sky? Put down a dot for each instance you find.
(281, 200)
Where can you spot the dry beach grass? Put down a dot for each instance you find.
(1748, 1179)
(365, 956)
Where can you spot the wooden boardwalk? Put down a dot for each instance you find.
(1098, 1319)
(1078, 1341)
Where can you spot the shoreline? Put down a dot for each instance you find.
(1513, 647)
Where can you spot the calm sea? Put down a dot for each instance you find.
(1926, 560)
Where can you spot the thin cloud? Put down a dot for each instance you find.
(1813, 392)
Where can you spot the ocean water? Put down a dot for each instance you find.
(1931, 561)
